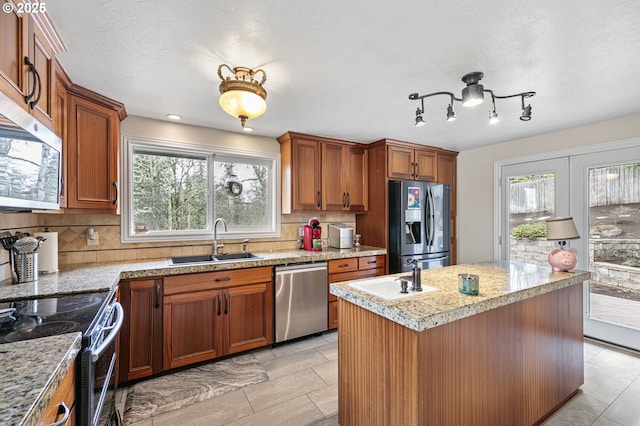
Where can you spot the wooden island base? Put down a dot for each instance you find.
(514, 365)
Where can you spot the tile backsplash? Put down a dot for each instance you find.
(73, 248)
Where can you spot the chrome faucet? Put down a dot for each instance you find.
(416, 285)
(216, 246)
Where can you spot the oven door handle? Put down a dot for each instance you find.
(114, 329)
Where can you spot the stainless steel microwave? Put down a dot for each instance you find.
(30, 161)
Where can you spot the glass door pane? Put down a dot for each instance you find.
(614, 255)
(532, 192)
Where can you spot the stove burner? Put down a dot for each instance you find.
(42, 330)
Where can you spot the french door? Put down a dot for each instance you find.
(601, 191)
(605, 203)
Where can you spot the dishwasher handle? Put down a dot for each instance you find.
(293, 269)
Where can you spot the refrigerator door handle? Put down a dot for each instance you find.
(429, 218)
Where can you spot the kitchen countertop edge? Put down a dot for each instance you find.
(424, 311)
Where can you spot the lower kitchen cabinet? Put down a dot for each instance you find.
(140, 353)
(351, 269)
(212, 314)
(61, 409)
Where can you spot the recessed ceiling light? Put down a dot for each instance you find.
(173, 117)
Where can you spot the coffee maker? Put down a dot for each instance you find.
(312, 235)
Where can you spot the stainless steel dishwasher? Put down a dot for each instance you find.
(301, 300)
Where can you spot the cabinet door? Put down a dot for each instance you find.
(425, 165)
(192, 328)
(13, 49)
(60, 128)
(92, 150)
(357, 179)
(447, 172)
(141, 337)
(400, 163)
(306, 191)
(334, 175)
(65, 394)
(42, 56)
(248, 314)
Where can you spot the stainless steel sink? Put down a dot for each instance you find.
(207, 258)
(236, 256)
(204, 258)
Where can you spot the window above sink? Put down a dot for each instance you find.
(173, 190)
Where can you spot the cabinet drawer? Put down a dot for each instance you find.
(343, 265)
(217, 279)
(370, 262)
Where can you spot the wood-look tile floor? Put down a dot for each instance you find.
(303, 390)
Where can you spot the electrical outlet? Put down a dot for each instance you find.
(301, 231)
(93, 242)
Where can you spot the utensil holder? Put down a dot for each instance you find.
(26, 266)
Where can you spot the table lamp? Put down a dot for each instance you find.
(562, 229)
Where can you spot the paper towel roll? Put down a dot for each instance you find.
(48, 253)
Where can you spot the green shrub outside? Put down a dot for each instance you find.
(530, 231)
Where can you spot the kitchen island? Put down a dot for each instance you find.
(510, 356)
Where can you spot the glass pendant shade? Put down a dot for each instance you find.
(240, 103)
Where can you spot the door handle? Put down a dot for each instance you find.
(319, 200)
(62, 409)
(226, 303)
(417, 170)
(218, 297)
(36, 82)
(348, 200)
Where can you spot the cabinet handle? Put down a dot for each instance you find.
(218, 297)
(226, 303)
(348, 200)
(157, 295)
(62, 186)
(343, 265)
(217, 280)
(36, 82)
(370, 262)
(115, 185)
(62, 409)
(417, 170)
(344, 199)
(319, 199)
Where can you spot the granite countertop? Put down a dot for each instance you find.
(103, 277)
(31, 373)
(501, 283)
(32, 369)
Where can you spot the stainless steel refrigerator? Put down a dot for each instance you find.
(418, 224)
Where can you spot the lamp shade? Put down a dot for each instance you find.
(241, 103)
(561, 228)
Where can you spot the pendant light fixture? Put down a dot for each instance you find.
(472, 95)
(241, 94)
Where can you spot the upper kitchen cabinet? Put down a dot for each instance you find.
(323, 175)
(28, 45)
(447, 171)
(92, 145)
(406, 162)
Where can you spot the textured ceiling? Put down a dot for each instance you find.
(344, 69)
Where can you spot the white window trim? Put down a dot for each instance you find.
(126, 229)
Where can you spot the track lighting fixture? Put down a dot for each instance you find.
(472, 95)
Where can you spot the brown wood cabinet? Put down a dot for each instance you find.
(447, 172)
(411, 163)
(322, 174)
(350, 269)
(140, 353)
(62, 404)
(513, 365)
(28, 45)
(92, 149)
(392, 160)
(60, 123)
(216, 313)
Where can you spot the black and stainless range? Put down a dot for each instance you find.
(98, 316)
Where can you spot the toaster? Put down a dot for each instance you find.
(340, 235)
